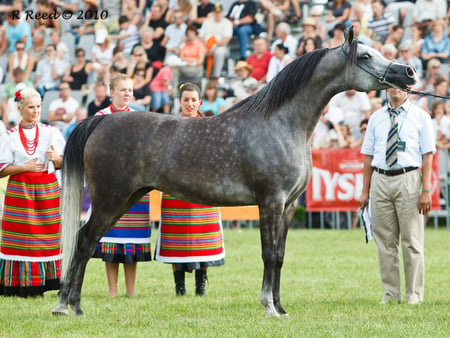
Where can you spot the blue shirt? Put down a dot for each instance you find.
(213, 106)
(415, 129)
(441, 46)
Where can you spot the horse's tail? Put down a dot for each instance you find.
(72, 188)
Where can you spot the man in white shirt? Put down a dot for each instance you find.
(62, 111)
(216, 33)
(49, 70)
(174, 34)
(283, 33)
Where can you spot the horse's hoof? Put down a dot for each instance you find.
(60, 311)
(285, 315)
(78, 313)
(272, 314)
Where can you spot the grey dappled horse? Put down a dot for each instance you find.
(257, 152)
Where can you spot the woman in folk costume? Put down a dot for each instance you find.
(190, 235)
(30, 250)
(129, 240)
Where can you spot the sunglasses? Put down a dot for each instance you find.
(138, 54)
(20, 48)
(80, 55)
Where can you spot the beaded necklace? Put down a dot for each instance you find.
(29, 146)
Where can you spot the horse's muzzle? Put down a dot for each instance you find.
(410, 72)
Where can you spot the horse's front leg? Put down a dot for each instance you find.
(281, 246)
(62, 308)
(270, 218)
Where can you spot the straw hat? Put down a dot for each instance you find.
(309, 22)
(243, 64)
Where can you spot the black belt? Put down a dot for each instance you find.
(394, 172)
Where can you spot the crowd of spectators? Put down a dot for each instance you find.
(162, 43)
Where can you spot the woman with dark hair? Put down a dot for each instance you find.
(212, 103)
(190, 236)
(77, 75)
(280, 60)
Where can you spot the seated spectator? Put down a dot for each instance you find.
(139, 62)
(358, 13)
(380, 24)
(17, 31)
(46, 21)
(188, 9)
(38, 48)
(324, 135)
(316, 13)
(406, 57)
(337, 38)
(119, 61)
(141, 91)
(80, 115)
(88, 26)
(156, 20)
(244, 85)
(277, 63)
(309, 45)
(49, 71)
(400, 9)
(389, 51)
(426, 11)
(62, 50)
(309, 32)
(260, 59)
(128, 35)
(161, 87)
(338, 12)
(440, 88)
(359, 35)
(276, 12)
(175, 34)
(3, 40)
(77, 74)
(441, 125)
(216, 33)
(417, 31)
(8, 108)
(204, 8)
(21, 59)
(192, 56)
(242, 15)
(283, 33)
(432, 73)
(212, 103)
(395, 35)
(133, 11)
(101, 101)
(61, 111)
(154, 51)
(436, 45)
(102, 52)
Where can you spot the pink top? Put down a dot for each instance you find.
(157, 84)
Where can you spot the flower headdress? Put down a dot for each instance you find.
(17, 96)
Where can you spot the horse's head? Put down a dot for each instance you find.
(369, 70)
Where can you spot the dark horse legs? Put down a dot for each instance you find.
(274, 225)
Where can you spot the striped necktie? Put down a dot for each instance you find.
(392, 141)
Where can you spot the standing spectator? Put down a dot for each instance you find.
(161, 87)
(283, 33)
(49, 71)
(436, 45)
(203, 9)
(77, 74)
(280, 60)
(242, 15)
(260, 59)
(380, 24)
(216, 33)
(129, 240)
(212, 103)
(32, 265)
(197, 221)
(101, 101)
(399, 192)
(128, 35)
(62, 110)
(355, 107)
(21, 59)
(155, 19)
(309, 32)
(17, 31)
(174, 35)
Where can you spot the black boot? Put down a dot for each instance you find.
(179, 283)
(200, 281)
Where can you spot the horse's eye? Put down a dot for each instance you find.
(365, 57)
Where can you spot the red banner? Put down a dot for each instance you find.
(337, 180)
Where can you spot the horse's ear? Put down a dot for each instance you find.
(349, 35)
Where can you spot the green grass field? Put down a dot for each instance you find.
(330, 287)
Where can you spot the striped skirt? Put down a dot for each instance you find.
(129, 240)
(30, 249)
(189, 233)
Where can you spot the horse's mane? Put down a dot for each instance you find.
(285, 85)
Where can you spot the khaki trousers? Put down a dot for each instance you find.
(395, 214)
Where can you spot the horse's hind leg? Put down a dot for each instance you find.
(270, 217)
(281, 246)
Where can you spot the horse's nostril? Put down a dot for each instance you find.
(410, 71)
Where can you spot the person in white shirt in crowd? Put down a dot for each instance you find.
(355, 107)
(49, 71)
(128, 35)
(280, 60)
(283, 33)
(62, 50)
(174, 34)
(62, 110)
(406, 56)
(324, 134)
(216, 33)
